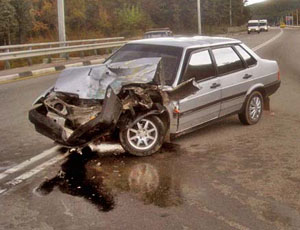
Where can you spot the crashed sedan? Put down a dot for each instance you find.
(153, 90)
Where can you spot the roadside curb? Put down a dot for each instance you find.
(50, 70)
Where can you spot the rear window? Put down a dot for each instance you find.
(227, 60)
(246, 56)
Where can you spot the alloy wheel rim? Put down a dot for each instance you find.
(255, 108)
(143, 135)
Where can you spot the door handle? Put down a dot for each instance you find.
(247, 76)
(215, 85)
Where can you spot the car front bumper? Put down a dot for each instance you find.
(101, 125)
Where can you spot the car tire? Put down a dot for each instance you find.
(249, 32)
(144, 138)
(252, 109)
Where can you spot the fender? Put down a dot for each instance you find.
(254, 87)
(153, 112)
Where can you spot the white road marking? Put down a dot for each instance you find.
(26, 163)
(101, 148)
(36, 170)
(268, 42)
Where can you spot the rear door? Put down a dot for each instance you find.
(235, 78)
(204, 105)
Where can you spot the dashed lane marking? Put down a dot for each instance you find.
(32, 172)
(26, 163)
(36, 170)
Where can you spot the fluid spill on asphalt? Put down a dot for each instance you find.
(100, 178)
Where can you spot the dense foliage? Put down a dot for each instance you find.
(31, 20)
(275, 10)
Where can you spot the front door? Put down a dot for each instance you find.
(204, 105)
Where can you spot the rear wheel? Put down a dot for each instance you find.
(144, 138)
(253, 109)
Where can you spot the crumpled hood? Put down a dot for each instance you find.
(92, 82)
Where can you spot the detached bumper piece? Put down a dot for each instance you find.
(99, 126)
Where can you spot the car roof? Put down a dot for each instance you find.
(187, 42)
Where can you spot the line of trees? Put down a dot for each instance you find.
(274, 10)
(35, 20)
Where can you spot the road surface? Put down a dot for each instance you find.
(225, 176)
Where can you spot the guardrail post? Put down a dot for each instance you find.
(67, 54)
(29, 60)
(49, 57)
(81, 54)
(7, 63)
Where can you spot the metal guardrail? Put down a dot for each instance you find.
(58, 50)
(50, 44)
(62, 48)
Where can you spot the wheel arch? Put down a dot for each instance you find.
(258, 87)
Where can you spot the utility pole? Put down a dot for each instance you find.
(199, 17)
(230, 12)
(61, 20)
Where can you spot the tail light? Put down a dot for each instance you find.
(278, 76)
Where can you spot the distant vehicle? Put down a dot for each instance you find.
(263, 24)
(153, 90)
(282, 25)
(253, 26)
(159, 32)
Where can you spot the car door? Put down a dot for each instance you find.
(234, 78)
(204, 105)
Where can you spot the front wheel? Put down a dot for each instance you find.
(253, 109)
(144, 138)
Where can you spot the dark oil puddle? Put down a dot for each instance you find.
(99, 179)
(72, 179)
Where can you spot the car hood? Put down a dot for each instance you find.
(92, 82)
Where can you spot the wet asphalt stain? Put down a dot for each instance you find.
(99, 179)
(72, 179)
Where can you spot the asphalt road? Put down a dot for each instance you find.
(225, 176)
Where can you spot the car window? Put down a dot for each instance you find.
(252, 24)
(246, 56)
(200, 66)
(227, 60)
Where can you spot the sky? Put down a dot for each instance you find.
(254, 1)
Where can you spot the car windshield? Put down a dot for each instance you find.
(253, 24)
(156, 34)
(170, 57)
(263, 24)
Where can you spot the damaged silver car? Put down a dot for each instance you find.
(153, 90)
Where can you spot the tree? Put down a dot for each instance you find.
(131, 19)
(8, 22)
(24, 18)
(76, 15)
(44, 15)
